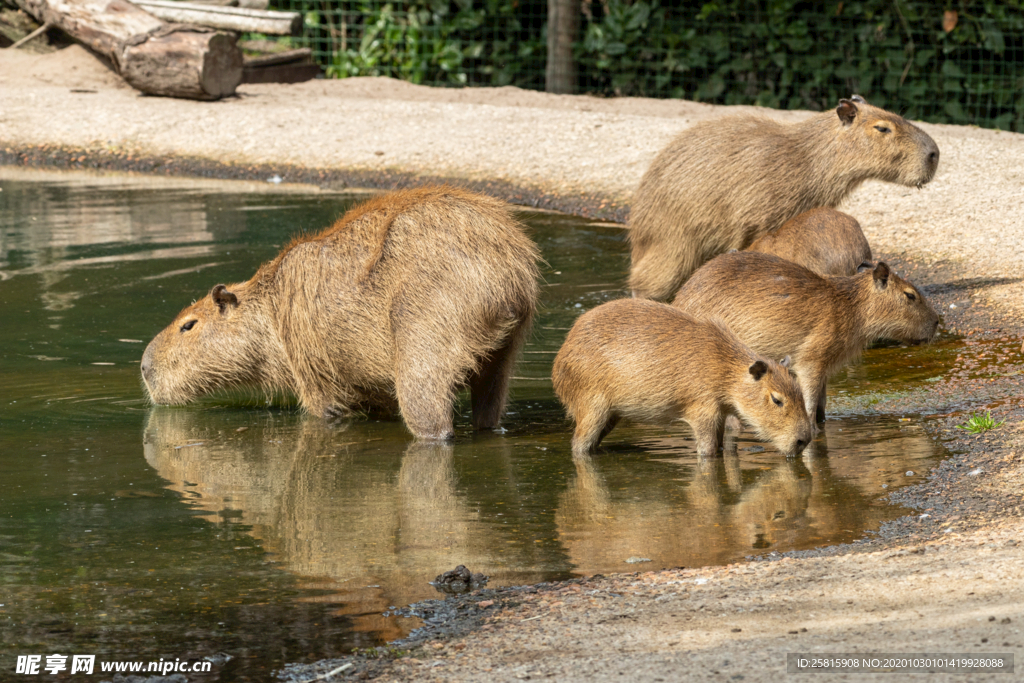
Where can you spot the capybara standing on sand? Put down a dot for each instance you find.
(649, 362)
(411, 295)
(724, 182)
(827, 241)
(779, 308)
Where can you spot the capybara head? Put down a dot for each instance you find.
(771, 402)
(211, 344)
(894, 308)
(885, 145)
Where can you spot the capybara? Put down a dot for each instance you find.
(409, 296)
(827, 241)
(724, 182)
(649, 362)
(780, 308)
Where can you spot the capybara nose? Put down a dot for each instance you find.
(933, 158)
(147, 365)
(801, 444)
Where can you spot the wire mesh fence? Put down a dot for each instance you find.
(953, 62)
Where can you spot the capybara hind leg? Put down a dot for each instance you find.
(488, 386)
(425, 401)
(659, 274)
(591, 427)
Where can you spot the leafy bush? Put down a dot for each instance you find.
(799, 55)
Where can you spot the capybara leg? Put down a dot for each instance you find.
(657, 275)
(591, 427)
(734, 424)
(488, 387)
(425, 401)
(707, 432)
(819, 415)
(608, 427)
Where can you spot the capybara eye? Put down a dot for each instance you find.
(911, 296)
(777, 401)
(883, 129)
(189, 325)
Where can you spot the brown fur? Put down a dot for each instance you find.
(648, 362)
(722, 183)
(405, 299)
(779, 308)
(827, 241)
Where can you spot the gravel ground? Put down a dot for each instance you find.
(949, 582)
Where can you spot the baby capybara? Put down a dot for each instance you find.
(780, 308)
(724, 182)
(827, 241)
(409, 296)
(649, 362)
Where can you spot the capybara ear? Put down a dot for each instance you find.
(758, 369)
(786, 362)
(847, 111)
(223, 298)
(881, 274)
(858, 99)
(865, 265)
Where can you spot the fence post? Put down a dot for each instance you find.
(563, 25)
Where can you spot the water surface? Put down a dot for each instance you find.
(233, 526)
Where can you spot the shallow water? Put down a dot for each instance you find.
(235, 527)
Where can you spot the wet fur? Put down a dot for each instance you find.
(779, 308)
(723, 183)
(827, 241)
(651, 363)
(407, 298)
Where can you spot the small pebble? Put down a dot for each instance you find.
(637, 560)
(755, 449)
(975, 472)
(910, 473)
(276, 179)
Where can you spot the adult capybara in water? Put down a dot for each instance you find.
(827, 241)
(779, 308)
(649, 362)
(409, 296)
(722, 183)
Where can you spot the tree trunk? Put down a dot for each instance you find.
(228, 18)
(563, 27)
(157, 58)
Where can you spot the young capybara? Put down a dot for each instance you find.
(409, 296)
(649, 362)
(827, 241)
(779, 308)
(722, 183)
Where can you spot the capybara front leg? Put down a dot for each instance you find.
(425, 401)
(488, 386)
(707, 432)
(819, 415)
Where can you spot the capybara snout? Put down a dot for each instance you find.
(776, 409)
(898, 308)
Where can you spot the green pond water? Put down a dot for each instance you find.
(232, 527)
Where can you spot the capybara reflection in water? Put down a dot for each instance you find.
(408, 297)
(723, 183)
(779, 308)
(651, 363)
(827, 241)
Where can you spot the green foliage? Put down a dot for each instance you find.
(775, 53)
(979, 423)
(799, 55)
(435, 42)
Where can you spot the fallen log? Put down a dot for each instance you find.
(156, 58)
(227, 18)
